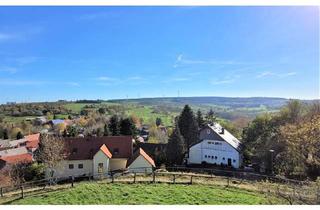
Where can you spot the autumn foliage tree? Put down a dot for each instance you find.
(302, 149)
(51, 150)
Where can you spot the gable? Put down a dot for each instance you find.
(208, 133)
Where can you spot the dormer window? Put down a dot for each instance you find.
(74, 150)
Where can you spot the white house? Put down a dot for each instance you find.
(216, 146)
(98, 156)
(140, 162)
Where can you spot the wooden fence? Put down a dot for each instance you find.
(294, 191)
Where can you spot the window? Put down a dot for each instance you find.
(223, 158)
(208, 131)
(74, 150)
(70, 166)
(234, 160)
(215, 157)
(212, 157)
(116, 151)
(205, 156)
(209, 156)
(209, 142)
(80, 165)
(100, 168)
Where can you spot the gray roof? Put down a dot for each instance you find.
(11, 143)
(14, 151)
(226, 135)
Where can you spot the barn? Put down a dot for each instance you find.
(215, 146)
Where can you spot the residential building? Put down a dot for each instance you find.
(216, 146)
(98, 156)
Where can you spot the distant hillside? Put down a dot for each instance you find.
(218, 101)
(225, 107)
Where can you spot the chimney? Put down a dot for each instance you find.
(222, 131)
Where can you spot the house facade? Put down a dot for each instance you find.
(216, 146)
(98, 156)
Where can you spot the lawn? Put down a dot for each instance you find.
(117, 193)
(75, 107)
(148, 116)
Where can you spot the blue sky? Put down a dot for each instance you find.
(50, 53)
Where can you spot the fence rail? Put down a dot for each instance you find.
(293, 191)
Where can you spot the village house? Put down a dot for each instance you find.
(19, 151)
(98, 156)
(215, 146)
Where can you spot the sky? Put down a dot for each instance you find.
(52, 53)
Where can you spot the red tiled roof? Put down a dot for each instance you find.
(79, 148)
(141, 152)
(33, 137)
(23, 158)
(106, 151)
(33, 140)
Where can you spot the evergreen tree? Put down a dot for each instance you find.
(127, 127)
(65, 134)
(106, 131)
(158, 121)
(19, 135)
(188, 126)
(5, 134)
(175, 148)
(210, 117)
(200, 120)
(114, 126)
(72, 131)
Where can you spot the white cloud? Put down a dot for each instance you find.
(181, 60)
(135, 78)
(220, 82)
(17, 82)
(6, 36)
(104, 78)
(11, 70)
(273, 74)
(225, 80)
(75, 84)
(98, 15)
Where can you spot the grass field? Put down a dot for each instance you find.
(103, 193)
(146, 113)
(75, 107)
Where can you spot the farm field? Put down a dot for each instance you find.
(119, 193)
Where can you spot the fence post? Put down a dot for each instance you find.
(1, 192)
(153, 177)
(72, 180)
(22, 193)
(318, 194)
(174, 178)
(134, 178)
(191, 179)
(112, 178)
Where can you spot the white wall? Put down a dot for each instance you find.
(100, 157)
(221, 149)
(62, 169)
(140, 165)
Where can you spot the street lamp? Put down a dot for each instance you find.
(271, 153)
